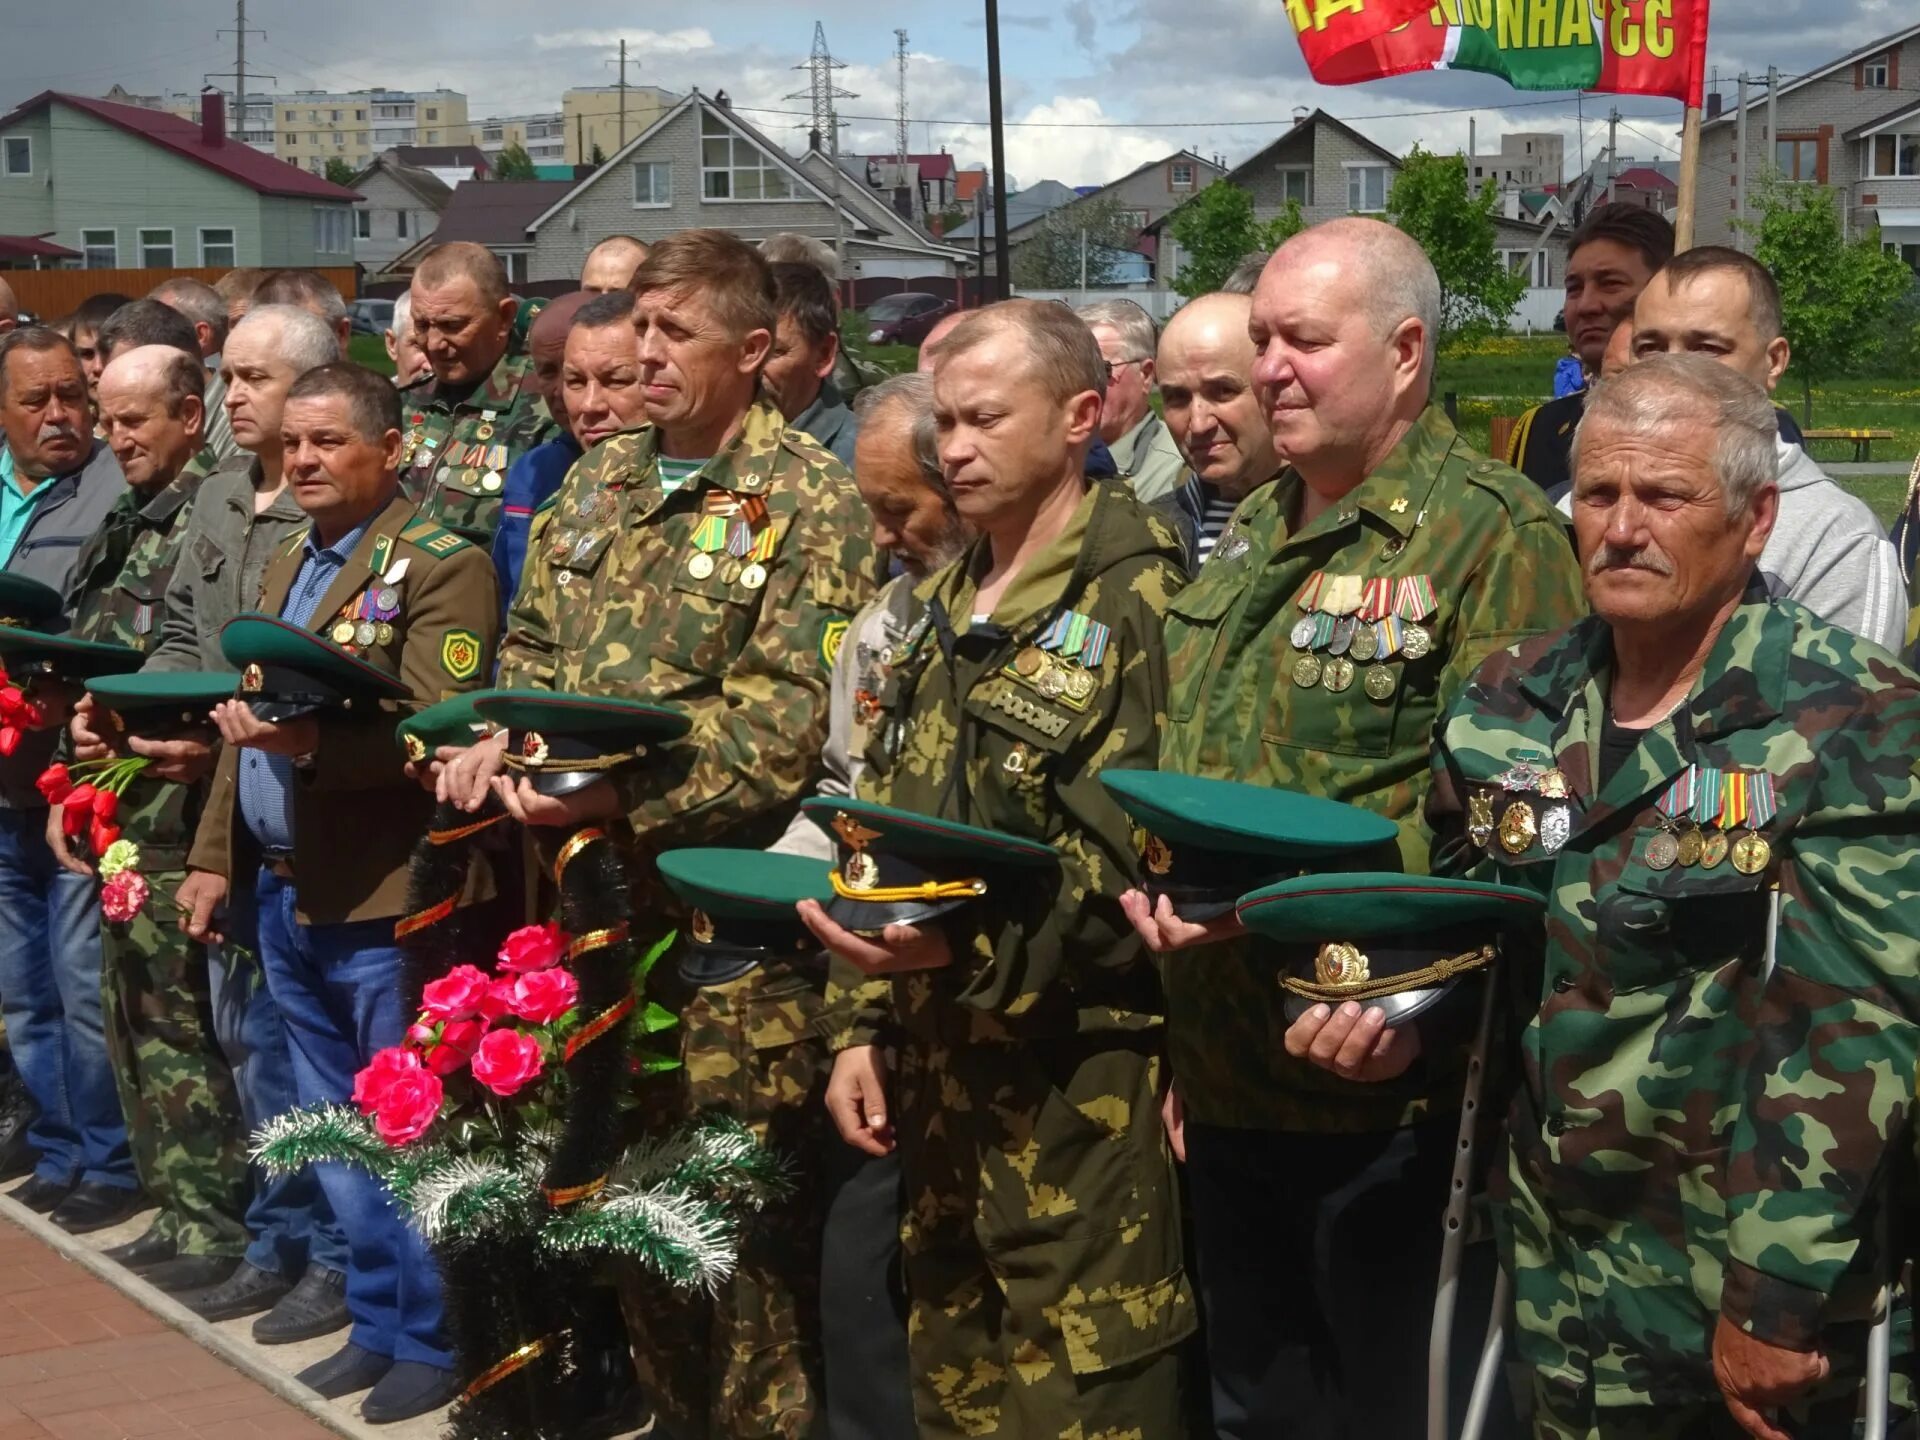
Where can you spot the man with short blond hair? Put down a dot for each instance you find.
(610, 264)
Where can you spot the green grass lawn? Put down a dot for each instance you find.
(370, 351)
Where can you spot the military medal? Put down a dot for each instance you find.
(700, 565)
(364, 633)
(1380, 683)
(754, 576)
(1338, 674)
(1668, 848)
(1418, 643)
(1302, 635)
(729, 570)
(382, 633)
(1751, 854)
(1556, 828)
(1713, 849)
(1364, 645)
(1027, 664)
(1079, 685)
(1480, 818)
(491, 482)
(1518, 828)
(1662, 850)
(1688, 847)
(1751, 803)
(386, 602)
(342, 632)
(1306, 671)
(483, 431)
(1344, 629)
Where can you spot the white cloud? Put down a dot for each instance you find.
(657, 42)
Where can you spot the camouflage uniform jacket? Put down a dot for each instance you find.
(971, 738)
(1500, 569)
(457, 453)
(614, 601)
(119, 597)
(1693, 1136)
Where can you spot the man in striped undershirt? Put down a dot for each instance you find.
(1206, 385)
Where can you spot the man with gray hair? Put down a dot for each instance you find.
(1715, 1084)
(403, 347)
(1143, 451)
(207, 310)
(1345, 607)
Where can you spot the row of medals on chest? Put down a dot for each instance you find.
(367, 619)
(1352, 620)
(734, 537)
(421, 446)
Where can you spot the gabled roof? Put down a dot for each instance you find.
(1259, 157)
(1865, 52)
(1905, 112)
(29, 247)
(425, 186)
(496, 212)
(1035, 202)
(444, 157)
(259, 172)
(726, 116)
(1645, 177)
(879, 217)
(932, 167)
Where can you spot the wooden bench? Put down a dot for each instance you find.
(1862, 440)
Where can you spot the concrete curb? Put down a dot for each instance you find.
(164, 1307)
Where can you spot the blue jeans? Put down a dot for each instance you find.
(50, 995)
(289, 1222)
(337, 989)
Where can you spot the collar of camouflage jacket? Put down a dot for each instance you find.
(499, 390)
(1742, 686)
(166, 502)
(741, 467)
(1395, 493)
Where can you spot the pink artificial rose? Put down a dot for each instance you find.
(410, 1103)
(455, 995)
(458, 1040)
(497, 1003)
(386, 1067)
(544, 996)
(533, 947)
(122, 897)
(507, 1060)
(423, 1036)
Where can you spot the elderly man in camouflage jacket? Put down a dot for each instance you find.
(712, 561)
(1716, 794)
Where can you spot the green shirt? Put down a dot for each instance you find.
(675, 473)
(16, 508)
(1497, 558)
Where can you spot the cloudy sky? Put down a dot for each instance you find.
(1093, 89)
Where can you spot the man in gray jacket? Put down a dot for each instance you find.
(56, 485)
(1827, 549)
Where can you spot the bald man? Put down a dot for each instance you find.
(1317, 1197)
(9, 308)
(611, 263)
(1213, 411)
(479, 409)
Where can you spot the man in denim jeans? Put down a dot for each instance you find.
(56, 485)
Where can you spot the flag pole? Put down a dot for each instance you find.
(1689, 179)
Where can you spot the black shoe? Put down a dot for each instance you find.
(93, 1206)
(144, 1253)
(316, 1306)
(407, 1390)
(345, 1371)
(247, 1291)
(17, 1157)
(43, 1195)
(185, 1274)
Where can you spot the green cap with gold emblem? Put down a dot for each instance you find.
(31, 653)
(287, 671)
(742, 904)
(1386, 941)
(1208, 842)
(454, 721)
(26, 604)
(896, 867)
(563, 742)
(163, 704)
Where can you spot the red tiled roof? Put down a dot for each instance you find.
(932, 167)
(259, 172)
(26, 247)
(967, 184)
(1645, 177)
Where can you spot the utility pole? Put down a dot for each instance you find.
(821, 92)
(1740, 170)
(900, 104)
(1613, 156)
(239, 33)
(1773, 118)
(996, 125)
(580, 136)
(1473, 145)
(623, 94)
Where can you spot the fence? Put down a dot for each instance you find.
(1158, 303)
(51, 294)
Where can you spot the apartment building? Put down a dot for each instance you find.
(257, 127)
(315, 126)
(538, 135)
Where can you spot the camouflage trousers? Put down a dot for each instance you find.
(744, 1363)
(1560, 1414)
(176, 1088)
(1042, 1241)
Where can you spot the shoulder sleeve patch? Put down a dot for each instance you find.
(832, 635)
(460, 654)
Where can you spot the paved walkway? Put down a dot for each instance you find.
(80, 1361)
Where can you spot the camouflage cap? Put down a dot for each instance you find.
(897, 867)
(1207, 842)
(564, 742)
(157, 704)
(742, 904)
(34, 652)
(26, 604)
(453, 721)
(287, 671)
(1421, 934)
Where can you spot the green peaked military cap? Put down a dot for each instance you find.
(1387, 941)
(564, 742)
(166, 702)
(1210, 841)
(454, 721)
(34, 652)
(897, 867)
(286, 670)
(26, 604)
(743, 907)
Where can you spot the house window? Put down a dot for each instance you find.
(156, 249)
(1182, 175)
(1797, 158)
(1537, 273)
(1296, 183)
(400, 224)
(290, 115)
(490, 135)
(1876, 74)
(515, 263)
(339, 140)
(330, 231)
(313, 117)
(313, 138)
(19, 155)
(1908, 251)
(1133, 219)
(1895, 155)
(363, 224)
(433, 114)
(735, 169)
(1367, 189)
(101, 248)
(652, 183)
(336, 117)
(433, 137)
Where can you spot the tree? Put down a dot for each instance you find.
(1431, 201)
(1216, 230)
(514, 164)
(1833, 292)
(340, 172)
(1051, 259)
(599, 156)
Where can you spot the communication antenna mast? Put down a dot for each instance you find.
(900, 110)
(821, 92)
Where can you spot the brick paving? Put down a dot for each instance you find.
(80, 1361)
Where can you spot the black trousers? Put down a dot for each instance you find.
(863, 1300)
(1318, 1257)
